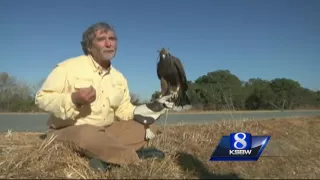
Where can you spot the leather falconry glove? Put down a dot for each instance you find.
(148, 113)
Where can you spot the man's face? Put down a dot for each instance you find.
(104, 45)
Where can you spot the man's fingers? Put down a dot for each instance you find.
(87, 95)
(92, 92)
(86, 91)
(92, 95)
(91, 99)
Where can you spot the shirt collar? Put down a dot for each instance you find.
(97, 68)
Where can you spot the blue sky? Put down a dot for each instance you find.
(265, 39)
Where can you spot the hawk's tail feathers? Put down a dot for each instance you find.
(183, 102)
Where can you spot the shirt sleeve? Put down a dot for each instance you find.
(54, 97)
(126, 108)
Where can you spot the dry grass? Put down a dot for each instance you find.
(293, 153)
(236, 111)
(193, 111)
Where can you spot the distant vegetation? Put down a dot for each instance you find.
(217, 90)
(222, 90)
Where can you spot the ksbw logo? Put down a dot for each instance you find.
(240, 146)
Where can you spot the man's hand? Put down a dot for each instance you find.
(84, 96)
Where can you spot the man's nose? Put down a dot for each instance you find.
(108, 43)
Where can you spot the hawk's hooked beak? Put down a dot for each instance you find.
(163, 53)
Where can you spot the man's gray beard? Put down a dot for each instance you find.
(107, 57)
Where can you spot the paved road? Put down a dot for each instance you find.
(37, 122)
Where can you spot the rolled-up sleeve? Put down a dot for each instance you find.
(126, 108)
(54, 97)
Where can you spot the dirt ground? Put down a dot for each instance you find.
(293, 152)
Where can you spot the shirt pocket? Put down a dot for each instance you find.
(82, 83)
(116, 96)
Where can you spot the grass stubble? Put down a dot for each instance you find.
(292, 152)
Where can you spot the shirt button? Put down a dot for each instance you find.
(103, 105)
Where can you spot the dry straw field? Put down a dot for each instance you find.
(293, 152)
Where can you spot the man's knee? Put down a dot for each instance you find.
(77, 134)
(135, 125)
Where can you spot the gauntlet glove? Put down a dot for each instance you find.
(147, 114)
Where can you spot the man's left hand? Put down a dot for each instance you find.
(150, 112)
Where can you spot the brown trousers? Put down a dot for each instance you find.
(115, 144)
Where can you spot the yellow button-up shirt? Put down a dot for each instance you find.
(112, 94)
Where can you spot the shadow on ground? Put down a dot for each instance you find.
(192, 164)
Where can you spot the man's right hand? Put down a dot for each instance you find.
(83, 96)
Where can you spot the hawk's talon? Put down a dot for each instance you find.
(174, 95)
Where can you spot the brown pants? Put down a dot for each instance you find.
(116, 143)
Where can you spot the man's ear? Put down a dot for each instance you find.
(89, 49)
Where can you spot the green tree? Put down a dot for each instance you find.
(223, 89)
(286, 92)
(260, 94)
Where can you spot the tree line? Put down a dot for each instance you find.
(217, 90)
(222, 90)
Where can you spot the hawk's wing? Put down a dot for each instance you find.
(181, 73)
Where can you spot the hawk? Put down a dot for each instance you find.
(173, 79)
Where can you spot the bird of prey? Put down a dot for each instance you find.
(173, 79)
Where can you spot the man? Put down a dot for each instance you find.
(89, 103)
